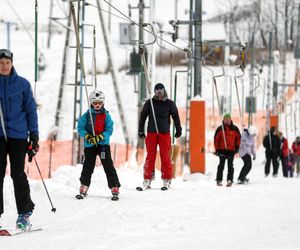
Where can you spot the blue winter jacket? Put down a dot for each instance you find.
(84, 126)
(18, 107)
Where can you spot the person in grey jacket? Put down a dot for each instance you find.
(247, 148)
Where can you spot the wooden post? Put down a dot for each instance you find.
(197, 136)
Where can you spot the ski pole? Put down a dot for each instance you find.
(53, 208)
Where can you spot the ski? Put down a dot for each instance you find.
(80, 196)
(13, 232)
(142, 189)
(115, 198)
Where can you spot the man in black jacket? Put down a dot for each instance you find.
(158, 110)
(272, 144)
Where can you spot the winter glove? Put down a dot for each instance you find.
(178, 134)
(34, 142)
(142, 135)
(32, 146)
(90, 139)
(99, 137)
(254, 157)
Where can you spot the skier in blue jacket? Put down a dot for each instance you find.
(18, 122)
(97, 143)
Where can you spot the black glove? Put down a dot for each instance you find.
(34, 142)
(178, 134)
(32, 146)
(142, 135)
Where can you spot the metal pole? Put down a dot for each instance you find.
(36, 47)
(198, 48)
(50, 25)
(142, 86)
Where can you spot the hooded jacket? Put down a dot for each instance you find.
(18, 107)
(163, 109)
(247, 145)
(102, 124)
(274, 148)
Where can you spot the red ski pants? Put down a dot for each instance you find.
(164, 142)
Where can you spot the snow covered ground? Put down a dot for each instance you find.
(194, 214)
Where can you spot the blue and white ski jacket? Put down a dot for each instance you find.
(18, 107)
(102, 124)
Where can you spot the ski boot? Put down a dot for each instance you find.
(166, 184)
(23, 222)
(146, 185)
(82, 192)
(229, 183)
(115, 193)
(219, 183)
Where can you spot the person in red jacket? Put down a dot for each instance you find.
(284, 154)
(296, 151)
(227, 142)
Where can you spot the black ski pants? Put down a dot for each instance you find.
(274, 162)
(284, 163)
(246, 168)
(221, 165)
(16, 150)
(90, 155)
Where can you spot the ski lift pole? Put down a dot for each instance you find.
(35, 47)
(94, 69)
(2, 122)
(237, 94)
(81, 63)
(217, 94)
(148, 83)
(188, 54)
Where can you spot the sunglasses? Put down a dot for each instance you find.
(6, 53)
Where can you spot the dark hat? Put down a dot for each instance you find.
(5, 53)
(159, 86)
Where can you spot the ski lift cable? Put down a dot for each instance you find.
(133, 22)
(109, 12)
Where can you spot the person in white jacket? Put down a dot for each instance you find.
(247, 148)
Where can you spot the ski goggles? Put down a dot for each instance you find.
(6, 53)
(161, 91)
(97, 103)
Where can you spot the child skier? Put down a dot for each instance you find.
(97, 143)
(247, 148)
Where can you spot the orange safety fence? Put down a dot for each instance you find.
(62, 155)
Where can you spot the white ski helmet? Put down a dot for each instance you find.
(97, 96)
(252, 130)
